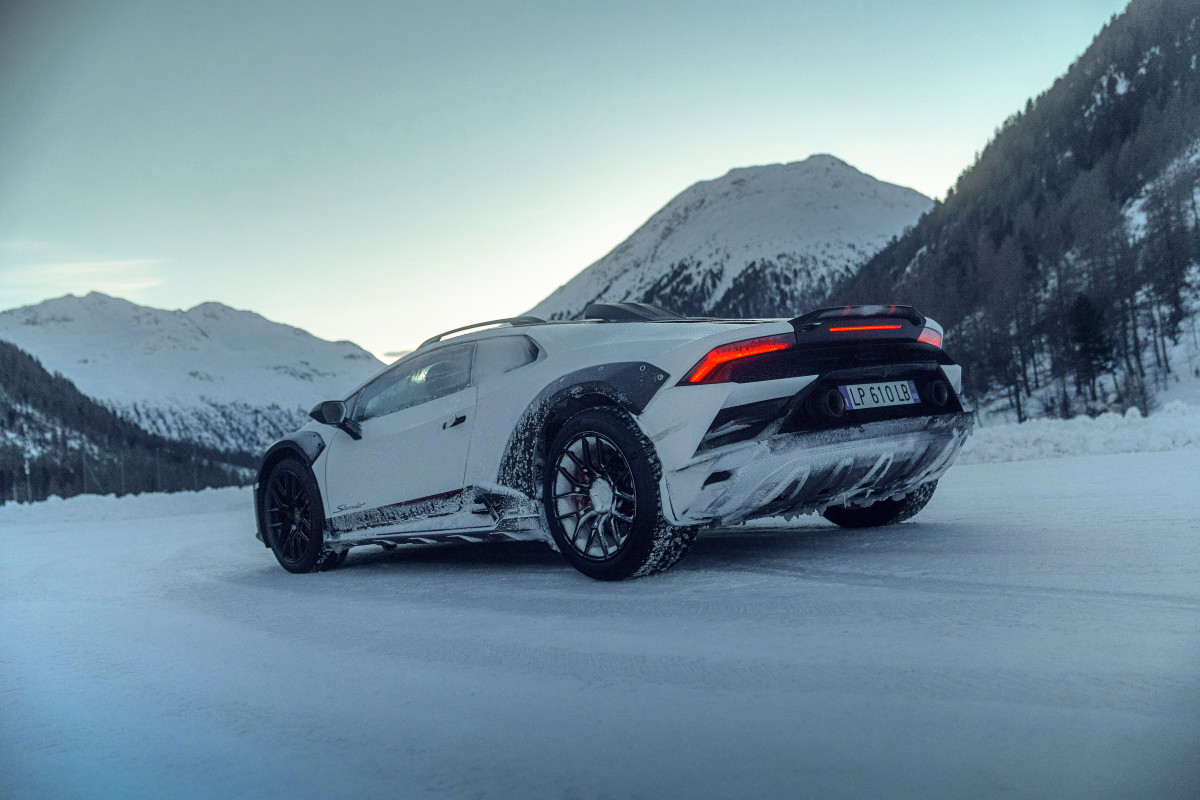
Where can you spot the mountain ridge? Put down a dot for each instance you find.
(760, 240)
(213, 375)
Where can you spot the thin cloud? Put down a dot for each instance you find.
(121, 277)
(28, 246)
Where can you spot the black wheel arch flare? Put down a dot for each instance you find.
(628, 385)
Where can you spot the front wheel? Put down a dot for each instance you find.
(601, 497)
(882, 512)
(295, 520)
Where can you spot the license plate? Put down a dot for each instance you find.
(878, 395)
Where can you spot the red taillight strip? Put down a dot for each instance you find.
(731, 352)
(930, 336)
(867, 328)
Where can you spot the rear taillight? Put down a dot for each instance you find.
(715, 366)
(930, 336)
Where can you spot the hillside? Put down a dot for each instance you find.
(1065, 259)
(759, 241)
(56, 441)
(211, 375)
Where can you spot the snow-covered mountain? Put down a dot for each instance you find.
(213, 375)
(760, 241)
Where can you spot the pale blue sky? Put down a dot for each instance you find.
(382, 171)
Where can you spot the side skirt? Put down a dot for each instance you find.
(473, 514)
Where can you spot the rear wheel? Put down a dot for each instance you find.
(882, 512)
(295, 520)
(601, 497)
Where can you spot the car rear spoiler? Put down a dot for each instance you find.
(816, 318)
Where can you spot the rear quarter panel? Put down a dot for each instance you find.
(507, 403)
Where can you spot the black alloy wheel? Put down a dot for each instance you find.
(295, 520)
(600, 492)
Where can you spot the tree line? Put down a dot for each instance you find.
(54, 440)
(1064, 259)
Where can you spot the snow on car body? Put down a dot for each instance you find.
(615, 437)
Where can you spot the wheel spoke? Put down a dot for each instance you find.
(587, 455)
(571, 478)
(600, 534)
(592, 531)
(581, 464)
(602, 465)
(616, 534)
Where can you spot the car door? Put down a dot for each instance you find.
(416, 430)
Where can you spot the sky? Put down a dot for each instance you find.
(380, 172)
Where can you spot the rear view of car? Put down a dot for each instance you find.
(618, 436)
(849, 411)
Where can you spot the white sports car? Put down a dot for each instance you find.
(615, 437)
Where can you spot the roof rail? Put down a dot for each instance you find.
(514, 322)
(628, 312)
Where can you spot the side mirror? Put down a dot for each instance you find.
(333, 412)
(330, 412)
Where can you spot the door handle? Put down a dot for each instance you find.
(456, 420)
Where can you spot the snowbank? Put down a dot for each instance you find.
(1176, 426)
(92, 507)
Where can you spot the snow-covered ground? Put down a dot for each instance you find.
(1035, 632)
(1175, 426)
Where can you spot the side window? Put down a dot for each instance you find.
(418, 380)
(502, 354)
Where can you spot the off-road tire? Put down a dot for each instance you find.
(294, 519)
(651, 544)
(883, 512)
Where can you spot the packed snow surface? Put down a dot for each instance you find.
(793, 228)
(1035, 632)
(201, 374)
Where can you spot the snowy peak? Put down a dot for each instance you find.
(758, 241)
(190, 375)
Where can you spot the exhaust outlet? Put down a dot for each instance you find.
(828, 404)
(939, 393)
